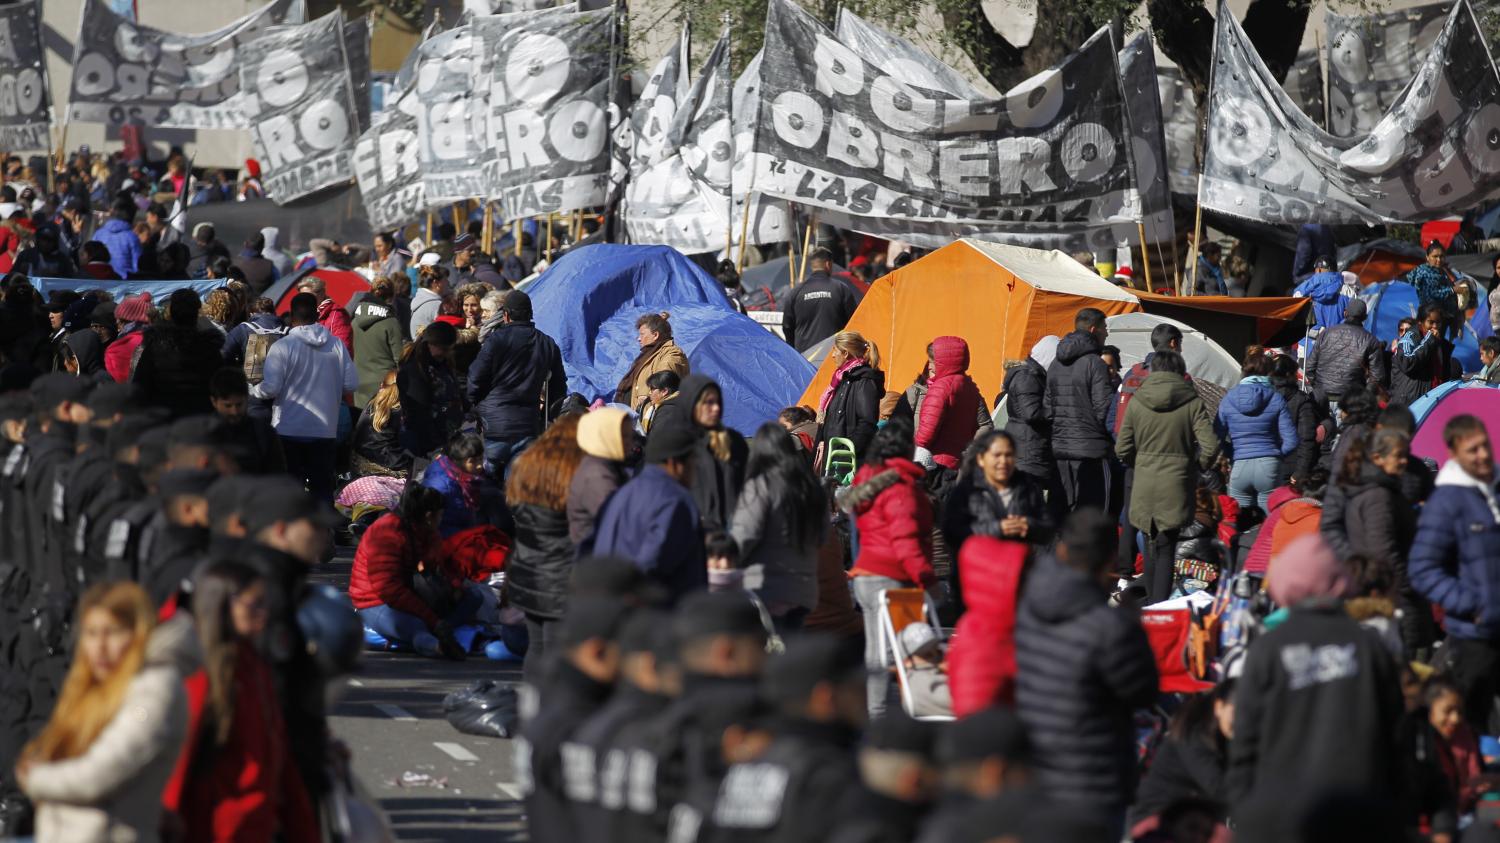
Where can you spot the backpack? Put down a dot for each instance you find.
(257, 346)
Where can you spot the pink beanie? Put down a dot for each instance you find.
(134, 308)
(1307, 569)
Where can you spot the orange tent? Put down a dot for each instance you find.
(1000, 299)
(1234, 322)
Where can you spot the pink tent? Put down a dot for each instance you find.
(1435, 408)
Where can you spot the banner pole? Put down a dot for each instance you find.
(1197, 237)
(549, 237)
(1145, 254)
(791, 255)
(429, 227)
(518, 236)
(808, 242)
(487, 230)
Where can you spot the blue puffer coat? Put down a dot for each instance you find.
(1325, 289)
(1255, 421)
(1455, 559)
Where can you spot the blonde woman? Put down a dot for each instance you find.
(97, 770)
(850, 406)
(377, 434)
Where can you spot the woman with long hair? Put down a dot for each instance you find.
(992, 497)
(658, 354)
(541, 559)
(894, 518)
(377, 434)
(719, 460)
(471, 498)
(1433, 281)
(1192, 760)
(431, 399)
(469, 298)
(850, 406)
(1256, 424)
(99, 766)
(778, 525)
(241, 782)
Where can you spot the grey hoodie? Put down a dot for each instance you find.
(424, 310)
(272, 252)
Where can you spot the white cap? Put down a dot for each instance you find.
(916, 636)
(428, 259)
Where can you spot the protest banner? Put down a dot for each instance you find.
(25, 105)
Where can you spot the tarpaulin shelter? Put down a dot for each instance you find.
(1001, 299)
(1454, 398)
(343, 285)
(1380, 260)
(1391, 301)
(1235, 323)
(159, 290)
(588, 301)
(1206, 359)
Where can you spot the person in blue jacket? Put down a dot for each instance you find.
(470, 497)
(1259, 430)
(652, 520)
(1326, 289)
(1455, 563)
(118, 235)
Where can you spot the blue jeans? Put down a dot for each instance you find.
(1252, 481)
(401, 628)
(498, 454)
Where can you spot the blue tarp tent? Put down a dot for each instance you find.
(588, 302)
(159, 290)
(1392, 301)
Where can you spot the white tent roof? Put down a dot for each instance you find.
(1206, 359)
(1052, 271)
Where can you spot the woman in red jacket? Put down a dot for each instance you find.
(390, 554)
(241, 786)
(949, 414)
(895, 538)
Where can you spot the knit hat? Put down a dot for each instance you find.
(134, 308)
(1305, 570)
(602, 433)
(1356, 309)
(1045, 350)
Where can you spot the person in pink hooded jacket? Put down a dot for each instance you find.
(948, 416)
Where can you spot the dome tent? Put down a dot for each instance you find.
(1206, 359)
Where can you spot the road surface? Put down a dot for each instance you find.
(391, 716)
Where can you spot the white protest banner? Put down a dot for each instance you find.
(388, 167)
(25, 107)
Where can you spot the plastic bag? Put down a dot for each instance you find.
(485, 708)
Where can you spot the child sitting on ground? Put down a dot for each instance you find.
(1441, 759)
(926, 671)
(1197, 557)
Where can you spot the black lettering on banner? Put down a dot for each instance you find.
(25, 112)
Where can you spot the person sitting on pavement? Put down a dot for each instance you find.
(470, 497)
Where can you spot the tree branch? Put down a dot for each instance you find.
(996, 59)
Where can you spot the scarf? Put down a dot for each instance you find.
(626, 386)
(463, 481)
(833, 384)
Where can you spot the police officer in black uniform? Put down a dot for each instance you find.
(986, 764)
(820, 306)
(817, 694)
(898, 780)
(721, 646)
(581, 679)
(647, 673)
(183, 538)
(84, 483)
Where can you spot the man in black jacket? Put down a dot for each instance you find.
(515, 381)
(1346, 355)
(580, 681)
(820, 306)
(1077, 402)
(1082, 669)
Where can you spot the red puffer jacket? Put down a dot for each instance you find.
(336, 320)
(982, 660)
(949, 414)
(383, 568)
(895, 529)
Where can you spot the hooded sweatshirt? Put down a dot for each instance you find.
(272, 252)
(89, 350)
(377, 344)
(424, 310)
(1255, 419)
(1167, 436)
(600, 473)
(1326, 291)
(948, 419)
(307, 374)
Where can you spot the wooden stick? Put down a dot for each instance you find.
(1145, 255)
(807, 244)
(518, 237)
(549, 237)
(1197, 241)
(791, 255)
(429, 228)
(488, 229)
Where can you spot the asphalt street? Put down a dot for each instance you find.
(390, 714)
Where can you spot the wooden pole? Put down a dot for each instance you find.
(807, 243)
(739, 259)
(791, 255)
(549, 237)
(1145, 255)
(488, 230)
(1197, 238)
(517, 230)
(429, 228)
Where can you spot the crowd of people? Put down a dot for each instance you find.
(708, 623)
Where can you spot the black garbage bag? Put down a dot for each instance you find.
(485, 708)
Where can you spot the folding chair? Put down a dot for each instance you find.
(839, 461)
(900, 608)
